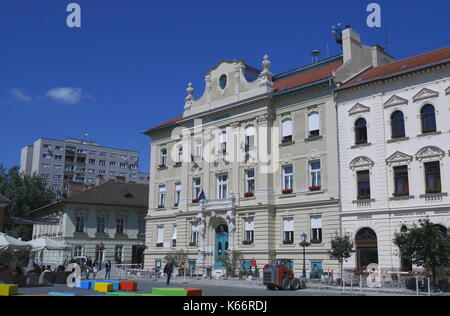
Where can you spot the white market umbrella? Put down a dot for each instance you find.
(9, 243)
(47, 244)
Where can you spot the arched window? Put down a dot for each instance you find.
(286, 127)
(398, 124)
(314, 124)
(428, 118)
(361, 131)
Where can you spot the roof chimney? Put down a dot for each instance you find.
(120, 179)
(99, 180)
(77, 188)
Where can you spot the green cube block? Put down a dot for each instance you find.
(169, 291)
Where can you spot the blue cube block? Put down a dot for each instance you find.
(116, 284)
(85, 285)
(61, 294)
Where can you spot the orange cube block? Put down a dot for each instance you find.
(128, 286)
(194, 292)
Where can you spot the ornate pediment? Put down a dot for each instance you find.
(399, 157)
(395, 100)
(447, 91)
(425, 94)
(361, 162)
(359, 108)
(430, 152)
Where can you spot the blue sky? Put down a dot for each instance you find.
(126, 69)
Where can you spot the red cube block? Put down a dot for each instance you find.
(128, 286)
(194, 292)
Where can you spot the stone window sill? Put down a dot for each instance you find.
(433, 195)
(313, 138)
(429, 134)
(287, 196)
(366, 201)
(397, 140)
(287, 144)
(361, 145)
(402, 198)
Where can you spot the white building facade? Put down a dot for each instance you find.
(394, 142)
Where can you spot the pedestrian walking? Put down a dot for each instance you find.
(108, 269)
(168, 270)
(88, 268)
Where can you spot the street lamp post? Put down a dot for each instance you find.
(304, 244)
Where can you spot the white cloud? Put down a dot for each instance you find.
(19, 95)
(66, 95)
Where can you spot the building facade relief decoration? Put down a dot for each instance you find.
(430, 152)
(361, 162)
(395, 100)
(425, 94)
(358, 108)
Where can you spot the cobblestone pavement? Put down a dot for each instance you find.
(210, 288)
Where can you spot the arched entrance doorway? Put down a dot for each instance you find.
(221, 245)
(366, 248)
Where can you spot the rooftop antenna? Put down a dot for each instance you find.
(315, 56)
(386, 44)
(86, 137)
(337, 32)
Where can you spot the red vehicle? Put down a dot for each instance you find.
(279, 275)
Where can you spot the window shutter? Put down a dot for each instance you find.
(313, 122)
(160, 236)
(288, 224)
(316, 222)
(287, 128)
(249, 224)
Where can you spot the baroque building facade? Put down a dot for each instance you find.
(394, 143)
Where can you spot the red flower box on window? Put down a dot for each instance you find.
(315, 188)
(195, 200)
(399, 194)
(436, 190)
(287, 191)
(249, 194)
(363, 197)
(159, 245)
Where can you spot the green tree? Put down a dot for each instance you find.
(341, 249)
(425, 245)
(179, 259)
(231, 261)
(26, 193)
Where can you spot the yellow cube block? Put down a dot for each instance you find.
(103, 287)
(8, 289)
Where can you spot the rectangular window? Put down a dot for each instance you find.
(79, 227)
(316, 229)
(112, 173)
(288, 179)
(101, 225)
(315, 181)
(78, 251)
(123, 165)
(433, 177)
(286, 127)
(113, 155)
(363, 179)
(179, 154)
(102, 162)
(314, 124)
(177, 193)
(195, 231)
(112, 163)
(288, 231)
(197, 189)
(160, 235)
(45, 166)
(174, 236)
(249, 230)
(59, 148)
(250, 182)
(222, 186)
(120, 225)
(401, 181)
(103, 154)
(163, 159)
(92, 161)
(162, 196)
(223, 142)
(58, 157)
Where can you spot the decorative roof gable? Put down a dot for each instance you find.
(425, 94)
(399, 157)
(395, 100)
(361, 162)
(359, 108)
(430, 152)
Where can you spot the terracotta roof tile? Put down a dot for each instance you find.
(403, 65)
(307, 77)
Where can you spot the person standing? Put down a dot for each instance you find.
(108, 270)
(88, 268)
(168, 270)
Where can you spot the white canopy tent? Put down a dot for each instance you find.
(47, 244)
(10, 243)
